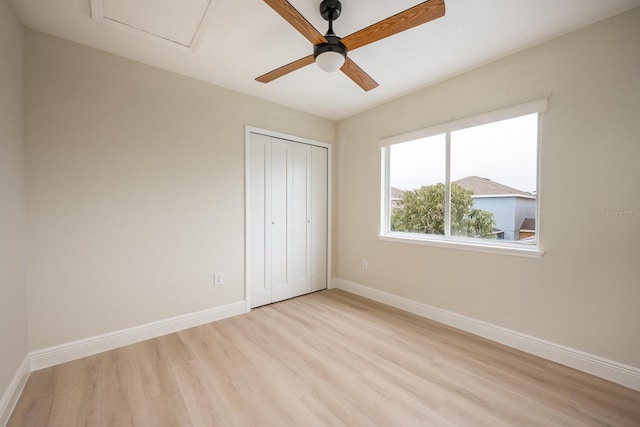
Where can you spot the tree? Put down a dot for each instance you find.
(422, 211)
(479, 223)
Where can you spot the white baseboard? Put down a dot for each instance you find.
(611, 370)
(67, 352)
(13, 392)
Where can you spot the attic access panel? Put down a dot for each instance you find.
(174, 20)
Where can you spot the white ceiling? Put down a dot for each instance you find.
(232, 42)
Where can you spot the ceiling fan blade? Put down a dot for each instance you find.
(357, 74)
(412, 17)
(293, 17)
(285, 69)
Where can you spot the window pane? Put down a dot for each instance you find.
(493, 180)
(416, 179)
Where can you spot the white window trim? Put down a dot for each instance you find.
(514, 249)
(537, 106)
(452, 242)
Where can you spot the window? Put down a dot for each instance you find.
(471, 182)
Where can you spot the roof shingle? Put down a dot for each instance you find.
(528, 224)
(485, 187)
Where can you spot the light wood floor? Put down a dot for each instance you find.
(329, 358)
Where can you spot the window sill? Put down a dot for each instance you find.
(511, 249)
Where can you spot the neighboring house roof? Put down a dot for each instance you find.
(395, 193)
(485, 187)
(529, 224)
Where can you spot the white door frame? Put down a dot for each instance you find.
(247, 200)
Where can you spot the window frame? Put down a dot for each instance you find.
(459, 242)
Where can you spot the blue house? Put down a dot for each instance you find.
(514, 210)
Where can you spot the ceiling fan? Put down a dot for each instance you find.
(330, 51)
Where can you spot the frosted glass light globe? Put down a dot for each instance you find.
(330, 61)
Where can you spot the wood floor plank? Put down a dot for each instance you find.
(325, 359)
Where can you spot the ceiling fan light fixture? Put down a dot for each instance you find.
(330, 56)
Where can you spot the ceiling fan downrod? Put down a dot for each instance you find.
(330, 10)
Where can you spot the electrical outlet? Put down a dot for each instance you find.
(364, 264)
(218, 279)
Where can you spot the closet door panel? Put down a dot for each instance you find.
(280, 219)
(259, 184)
(319, 218)
(301, 219)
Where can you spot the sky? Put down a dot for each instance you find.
(504, 152)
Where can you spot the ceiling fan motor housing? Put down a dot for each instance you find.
(333, 44)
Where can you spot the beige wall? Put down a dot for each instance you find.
(135, 183)
(585, 292)
(13, 291)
